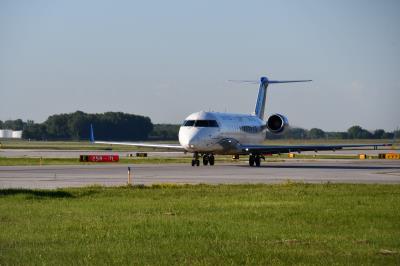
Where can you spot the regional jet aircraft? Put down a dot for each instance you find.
(206, 134)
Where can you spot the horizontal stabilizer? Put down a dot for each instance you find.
(288, 81)
(265, 80)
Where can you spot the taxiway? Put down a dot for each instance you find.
(309, 171)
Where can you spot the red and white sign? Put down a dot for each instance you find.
(103, 158)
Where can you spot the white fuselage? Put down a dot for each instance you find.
(220, 133)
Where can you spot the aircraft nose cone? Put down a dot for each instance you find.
(189, 139)
(193, 141)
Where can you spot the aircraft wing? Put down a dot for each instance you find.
(148, 145)
(274, 149)
(137, 144)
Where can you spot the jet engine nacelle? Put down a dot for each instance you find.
(277, 123)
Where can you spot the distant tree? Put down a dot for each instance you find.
(354, 132)
(337, 135)
(396, 134)
(14, 124)
(122, 126)
(57, 126)
(379, 134)
(1, 124)
(165, 132)
(78, 125)
(108, 126)
(35, 131)
(390, 135)
(357, 132)
(316, 133)
(296, 133)
(289, 133)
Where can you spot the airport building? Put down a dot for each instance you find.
(10, 134)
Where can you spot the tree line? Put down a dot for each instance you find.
(76, 126)
(123, 126)
(354, 132)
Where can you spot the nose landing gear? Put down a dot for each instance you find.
(196, 160)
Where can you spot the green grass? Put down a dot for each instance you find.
(202, 225)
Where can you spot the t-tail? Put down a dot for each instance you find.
(262, 93)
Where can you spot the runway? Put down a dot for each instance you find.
(309, 171)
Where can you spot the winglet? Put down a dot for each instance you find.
(91, 134)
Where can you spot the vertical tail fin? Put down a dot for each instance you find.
(91, 138)
(262, 96)
(262, 93)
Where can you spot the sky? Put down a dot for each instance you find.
(167, 59)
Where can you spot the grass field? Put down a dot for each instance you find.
(202, 225)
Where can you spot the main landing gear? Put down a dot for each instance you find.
(255, 159)
(207, 159)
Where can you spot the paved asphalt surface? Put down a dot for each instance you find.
(310, 171)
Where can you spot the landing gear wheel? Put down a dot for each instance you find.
(205, 160)
(258, 161)
(251, 160)
(196, 160)
(212, 160)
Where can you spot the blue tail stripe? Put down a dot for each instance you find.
(262, 91)
(91, 134)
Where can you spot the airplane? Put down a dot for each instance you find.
(206, 134)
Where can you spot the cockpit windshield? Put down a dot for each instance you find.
(188, 123)
(200, 123)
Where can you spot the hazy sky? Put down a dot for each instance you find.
(167, 59)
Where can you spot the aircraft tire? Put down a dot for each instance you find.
(251, 160)
(212, 160)
(258, 161)
(206, 160)
(197, 162)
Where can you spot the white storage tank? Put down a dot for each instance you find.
(5, 133)
(16, 134)
(10, 134)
